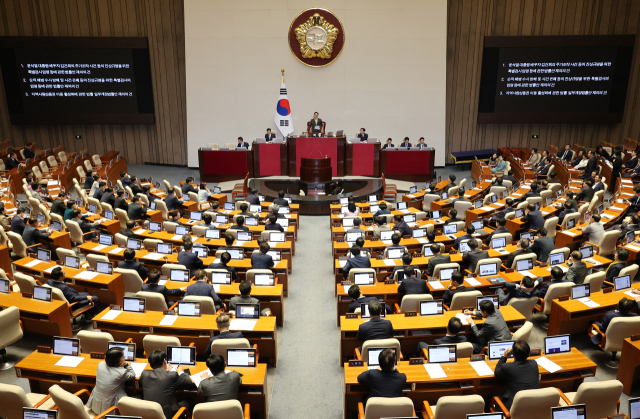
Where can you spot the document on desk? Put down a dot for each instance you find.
(49, 270)
(486, 208)
(216, 260)
(527, 273)
(346, 288)
(410, 196)
(435, 371)
(216, 287)
(32, 263)
(99, 247)
(571, 233)
(69, 361)
(242, 324)
(616, 209)
(482, 368)
(163, 281)
(631, 294)
(154, 256)
(389, 262)
(502, 251)
(588, 302)
(86, 275)
(632, 247)
(240, 243)
(117, 250)
(564, 268)
(272, 244)
(593, 261)
(138, 367)
(168, 320)
(140, 231)
(608, 216)
(177, 237)
(436, 285)
(473, 282)
(111, 315)
(405, 211)
(342, 263)
(386, 242)
(463, 318)
(422, 240)
(202, 375)
(548, 365)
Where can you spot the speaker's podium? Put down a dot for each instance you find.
(315, 170)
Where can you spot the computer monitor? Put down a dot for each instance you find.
(587, 216)
(528, 236)
(41, 293)
(464, 247)
(445, 274)
(179, 275)
(189, 308)
(31, 413)
(580, 291)
(344, 201)
(498, 242)
(477, 204)
(571, 223)
(133, 305)
(402, 205)
(364, 311)
(364, 278)
(93, 208)
(549, 201)
(431, 307)
(496, 349)
(524, 264)
(284, 222)
(181, 355)
(251, 221)
(473, 184)
(222, 219)
(5, 286)
(450, 229)
(212, 233)
(557, 344)
(631, 236)
(244, 235)
(409, 218)
(220, 277)
(601, 208)
(477, 224)
(182, 230)
(236, 254)
(344, 209)
(109, 214)
(165, 248)
(248, 311)
(634, 408)
(519, 213)
(72, 261)
(435, 214)
(217, 190)
(426, 250)
(373, 208)
(44, 255)
(537, 206)
(155, 226)
(556, 258)
(129, 349)
(255, 208)
(575, 411)
(284, 210)
(195, 216)
(442, 354)
(494, 199)
(372, 198)
(66, 346)
(489, 269)
(352, 237)
(485, 416)
(105, 239)
(412, 189)
(134, 244)
(260, 198)
(241, 357)
(202, 252)
(445, 196)
(386, 235)
(229, 206)
(395, 253)
(622, 282)
(56, 226)
(419, 232)
(493, 298)
(374, 354)
(277, 237)
(264, 280)
(587, 252)
(104, 267)
(276, 254)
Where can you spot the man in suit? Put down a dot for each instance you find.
(239, 224)
(632, 162)
(542, 245)
(557, 277)
(58, 206)
(577, 268)
(594, 230)
(544, 169)
(502, 229)
(395, 240)
(509, 207)
(222, 321)
(493, 329)
(128, 230)
(436, 260)
(280, 201)
(632, 225)
(421, 144)
(634, 201)
(401, 226)
(100, 191)
(382, 211)
(460, 198)
(522, 249)
(522, 374)
(592, 164)
(471, 259)
(566, 154)
(273, 225)
(533, 193)
(315, 125)
(28, 151)
(202, 288)
(119, 202)
(625, 305)
(357, 298)
(510, 177)
(389, 144)
(84, 225)
(534, 158)
(456, 285)
(261, 260)
(454, 327)
(385, 381)
(412, 284)
(160, 384)
(136, 209)
(363, 136)
(253, 198)
(597, 184)
(220, 386)
(619, 263)
(376, 328)
(269, 137)
(542, 161)
(32, 236)
(586, 193)
(189, 186)
(470, 230)
(125, 179)
(225, 258)
(135, 186)
(552, 178)
(130, 263)
(108, 197)
(171, 201)
(73, 296)
(12, 161)
(525, 289)
(405, 143)
(578, 159)
(190, 260)
(406, 261)
(535, 218)
(356, 226)
(355, 261)
(242, 144)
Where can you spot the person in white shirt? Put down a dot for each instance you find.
(583, 163)
(594, 230)
(203, 193)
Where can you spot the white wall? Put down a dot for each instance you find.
(389, 78)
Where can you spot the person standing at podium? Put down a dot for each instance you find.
(242, 143)
(269, 136)
(316, 125)
(406, 143)
(389, 144)
(363, 135)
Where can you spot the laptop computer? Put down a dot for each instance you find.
(445, 274)
(374, 355)
(133, 305)
(179, 275)
(44, 255)
(241, 357)
(42, 293)
(496, 349)
(164, 248)
(66, 346)
(105, 239)
(524, 264)
(31, 413)
(264, 280)
(129, 349)
(556, 259)
(104, 267)
(575, 411)
(634, 408)
(395, 253)
(212, 233)
(189, 308)
(622, 282)
(364, 311)
(364, 278)
(442, 354)
(248, 311)
(220, 278)
(431, 307)
(493, 298)
(557, 344)
(181, 355)
(134, 244)
(498, 243)
(5, 286)
(155, 226)
(580, 291)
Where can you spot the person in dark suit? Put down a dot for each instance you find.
(160, 384)
(577, 268)
(421, 144)
(12, 162)
(363, 136)
(634, 202)
(632, 225)
(136, 209)
(84, 225)
(405, 143)
(437, 259)
(406, 260)
(355, 261)
(542, 245)
(522, 374)
(453, 217)
(202, 288)
(152, 286)
(470, 230)
(557, 277)
(493, 329)
(100, 191)
(402, 226)
(456, 285)
(382, 211)
(269, 137)
(625, 305)
(510, 177)
(171, 201)
(28, 151)
(578, 158)
(128, 231)
(552, 178)
(125, 179)
(242, 144)
(597, 184)
(58, 206)
(616, 169)
(219, 386)
(280, 201)
(525, 289)
(135, 186)
(535, 218)
(533, 193)
(460, 197)
(376, 328)
(222, 321)
(273, 224)
(522, 249)
(261, 260)
(17, 222)
(225, 258)
(315, 125)
(453, 336)
(396, 238)
(189, 186)
(358, 298)
(32, 236)
(73, 296)
(592, 165)
(502, 229)
(619, 263)
(566, 154)
(412, 284)
(239, 224)
(471, 259)
(119, 202)
(130, 263)
(544, 169)
(389, 144)
(253, 198)
(586, 193)
(386, 381)
(570, 198)
(190, 260)
(632, 162)
(108, 197)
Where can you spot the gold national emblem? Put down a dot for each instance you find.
(316, 37)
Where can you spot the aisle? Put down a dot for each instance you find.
(308, 381)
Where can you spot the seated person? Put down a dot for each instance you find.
(358, 298)
(526, 289)
(619, 263)
(406, 262)
(625, 305)
(352, 210)
(470, 259)
(521, 374)
(228, 240)
(12, 161)
(470, 230)
(453, 217)
(405, 143)
(501, 223)
(204, 193)
(356, 226)
(522, 249)
(412, 284)
(543, 245)
(355, 261)
(207, 221)
(225, 258)
(437, 258)
(454, 327)
(383, 210)
(557, 277)
(280, 201)
(577, 268)
(493, 329)
(188, 186)
(130, 263)
(239, 224)
(401, 226)
(171, 201)
(456, 285)
(384, 381)
(395, 240)
(244, 210)
(388, 144)
(73, 296)
(203, 288)
(363, 251)
(190, 260)
(534, 217)
(119, 202)
(84, 225)
(152, 285)
(273, 224)
(220, 386)
(376, 328)
(379, 222)
(261, 260)
(253, 198)
(136, 209)
(363, 136)
(32, 236)
(242, 144)
(222, 321)
(460, 197)
(246, 298)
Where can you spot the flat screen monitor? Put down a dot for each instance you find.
(189, 309)
(450, 229)
(571, 223)
(386, 235)
(442, 354)
(222, 219)
(557, 344)
(347, 222)
(133, 305)
(374, 356)
(248, 311)
(445, 196)
(493, 298)
(528, 236)
(105, 239)
(435, 215)
(395, 253)
(419, 232)
(364, 278)
(56, 226)
(622, 282)
(66, 346)
(431, 307)
(498, 243)
(181, 355)
(202, 252)
(212, 233)
(165, 248)
(72, 261)
(251, 221)
(556, 258)
(134, 244)
(580, 291)
(220, 278)
(489, 269)
(44, 255)
(364, 311)
(236, 254)
(284, 222)
(519, 213)
(409, 218)
(129, 349)
(587, 252)
(373, 208)
(93, 208)
(412, 189)
(31, 413)
(464, 247)
(41, 293)
(241, 358)
(5, 286)
(244, 235)
(109, 214)
(277, 237)
(373, 198)
(275, 254)
(446, 273)
(477, 204)
(344, 201)
(179, 275)
(255, 208)
(264, 280)
(352, 237)
(403, 205)
(229, 206)
(155, 226)
(284, 210)
(496, 349)
(575, 411)
(104, 267)
(182, 230)
(524, 264)
(477, 224)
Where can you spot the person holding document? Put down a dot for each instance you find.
(316, 126)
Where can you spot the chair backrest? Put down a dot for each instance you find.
(464, 349)
(386, 407)
(214, 146)
(4, 239)
(151, 243)
(87, 165)
(524, 305)
(427, 200)
(43, 166)
(544, 194)
(122, 216)
(25, 282)
(11, 329)
(75, 231)
(462, 207)
(13, 400)
(94, 201)
(458, 407)
(595, 280)
(69, 405)
(564, 250)
(62, 156)
(169, 226)
(35, 206)
(601, 398)
(62, 252)
(619, 329)
(128, 406)
(153, 342)
(160, 204)
(379, 343)
(52, 161)
(19, 246)
(523, 257)
(207, 306)
(220, 346)
(488, 261)
(94, 341)
(523, 332)
(251, 273)
(555, 291)
(228, 409)
(507, 236)
(550, 224)
(411, 302)
(93, 259)
(121, 239)
(608, 242)
(96, 160)
(487, 198)
(497, 190)
(631, 270)
(464, 299)
(385, 252)
(154, 301)
(131, 279)
(534, 403)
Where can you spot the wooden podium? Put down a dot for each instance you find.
(315, 170)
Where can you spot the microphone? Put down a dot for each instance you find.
(310, 154)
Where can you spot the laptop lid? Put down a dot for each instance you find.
(442, 354)
(386, 235)
(212, 233)
(435, 214)
(364, 278)
(364, 311)
(395, 253)
(344, 201)
(181, 355)
(189, 308)
(347, 222)
(229, 206)
(56, 226)
(374, 208)
(419, 232)
(284, 210)
(571, 223)
(104, 267)
(622, 282)
(244, 236)
(372, 198)
(236, 254)
(134, 244)
(155, 226)
(464, 247)
(445, 274)
(498, 242)
(450, 229)
(195, 216)
(66, 346)
(41, 293)
(255, 208)
(202, 252)
(93, 208)
(248, 311)
(284, 222)
(412, 189)
(220, 277)
(264, 280)
(524, 264)
(182, 230)
(105, 239)
(403, 205)
(164, 248)
(133, 305)
(241, 357)
(129, 349)
(374, 355)
(634, 408)
(251, 221)
(489, 269)
(557, 344)
(431, 307)
(409, 218)
(493, 298)
(275, 254)
(496, 349)
(44, 255)
(526, 236)
(519, 213)
(556, 258)
(477, 224)
(222, 219)
(30, 413)
(445, 195)
(72, 261)
(587, 252)
(477, 204)
(580, 291)
(4, 286)
(277, 237)
(576, 411)
(179, 275)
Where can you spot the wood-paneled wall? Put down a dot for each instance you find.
(471, 20)
(162, 22)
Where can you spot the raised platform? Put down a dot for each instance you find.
(315, 201)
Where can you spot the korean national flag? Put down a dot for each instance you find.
(283, 113)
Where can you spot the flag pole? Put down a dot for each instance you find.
(282, 75)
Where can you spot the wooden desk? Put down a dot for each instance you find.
(575, 367)
(187, 329)
(629, 362)
(471, 194)
(573, 237)
(42, 372)
(409, 165)
(108, 288)
(224, 165)
(5, 259)
(40, 317)
(406, 327)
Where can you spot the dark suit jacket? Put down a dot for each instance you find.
(127, 233)
(450, 340)
(187, 187)
(98, 194)
(544, 288)
(565, 155)
(509, 262)
(11, 163)
(499, 230)
(17, 224)
(517, 376)
(253, 199)
(634, 207)
(376, 328)
(576, 273)
(203, 289)
(388, 146)
(631, 163)
(405, 145)
(136, 212)
(237, 227)
(223, 335)
(191, 261)
(610, 316)
(32, 235)
(136, 189)
(160, 386)
(161, 289)
(172, 202)
(363, 137)
(136, 266)
(274, 227)
(109, 198)
(261, 260)
(28, 153)
(471, 259)
(281, 202)
(598, 187)
(244, 144)
(121, 203)
(564, 213)
(58, 207)
(456, 243)
(449, 293)
(270, 137)
(535, 219)
(586, 194)
(220, 387)
(88, 182)
(312, 123)
(404, 229)
(413, 285)
(70, 294)
(356, 304)
(383, 384)
(436, 260)
(230, 269)
(591, 166)
(493, 329)
(355, 262)
(629, 227)
(542, 247)
(614, 270)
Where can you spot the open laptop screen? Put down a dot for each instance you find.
(622, 282)
(442, 354)
(181, 355)
(248, 311)
(580, 291)
(128, 348)
(241, 358)
(30, 413)
(556, 258)
(431, 307)
(364, 278)
(498, 243)
(557, 344)
(374, 355)
(576, 411)
(496, 349)
(66, 346)
(493, 298)
(634, 408)
(489, 269)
